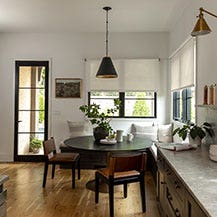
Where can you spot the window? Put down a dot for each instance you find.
(177, 107)
(134, 104)
(183, 105)
(103, 98)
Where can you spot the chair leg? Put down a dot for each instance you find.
(73, 176)
(111, 199)
(45, 174)
(53, 170)
(125, 190)
(79, 168)
(142, 192)
(96, 188)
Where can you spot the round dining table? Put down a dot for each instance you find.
(93, 155)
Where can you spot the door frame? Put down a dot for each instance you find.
(18, 63)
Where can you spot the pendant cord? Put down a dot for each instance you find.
(106, 40)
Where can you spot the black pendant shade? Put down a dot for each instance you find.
(106, 69)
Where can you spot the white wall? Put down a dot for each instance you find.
(66, 53)
(206, 53)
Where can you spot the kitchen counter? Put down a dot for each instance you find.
(3, 196)
(198, 174)
(3, 178)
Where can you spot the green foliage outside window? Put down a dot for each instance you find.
(41, 97)
(141, 108)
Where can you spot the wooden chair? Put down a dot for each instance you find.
(51, 157)
(122, 169)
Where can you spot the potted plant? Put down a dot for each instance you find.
(100, 119)
(195, 133)
(35, 144)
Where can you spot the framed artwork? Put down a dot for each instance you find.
(68, 87)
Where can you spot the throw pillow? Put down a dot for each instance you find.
(165, 133)
(79, 128)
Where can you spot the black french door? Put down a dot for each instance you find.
(31, 109)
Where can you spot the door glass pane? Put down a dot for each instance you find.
(30, 144)
(30, 99)
(31, 76)
(31, 121)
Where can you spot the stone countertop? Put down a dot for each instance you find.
(198, 173)
(3, 178)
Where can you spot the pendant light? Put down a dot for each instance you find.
(201, 27)
(106, 68)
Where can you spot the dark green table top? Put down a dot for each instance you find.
(87, 143)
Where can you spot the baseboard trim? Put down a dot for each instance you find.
(6, 158)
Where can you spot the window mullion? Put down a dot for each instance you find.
(155, 104)
(122, 107)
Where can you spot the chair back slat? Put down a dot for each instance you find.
(49, 146)
(129, 162)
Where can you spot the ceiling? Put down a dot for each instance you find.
(88, 16)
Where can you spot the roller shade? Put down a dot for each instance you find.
(133, 75)
(182, 67)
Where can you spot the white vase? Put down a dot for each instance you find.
(196, 141)
(119, 135)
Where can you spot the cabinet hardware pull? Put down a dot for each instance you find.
(177, 213)
(163, 183)
(177, 187)
(169, 197)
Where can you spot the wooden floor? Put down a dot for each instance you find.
(26, 197)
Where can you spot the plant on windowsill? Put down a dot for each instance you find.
(194, 132)
(35, 145)
(101, 120)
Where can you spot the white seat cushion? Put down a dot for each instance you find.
(149, 132)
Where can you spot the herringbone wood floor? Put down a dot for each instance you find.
(26, 197)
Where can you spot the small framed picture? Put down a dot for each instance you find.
(68, 87)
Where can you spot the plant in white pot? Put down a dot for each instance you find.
(194, 132)
(100, 119)
(35, 145)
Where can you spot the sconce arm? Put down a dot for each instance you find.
(203, 10)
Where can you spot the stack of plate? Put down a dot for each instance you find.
(108, 141)
(213, 152)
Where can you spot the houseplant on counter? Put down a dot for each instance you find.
(101, 120)
(194, 132)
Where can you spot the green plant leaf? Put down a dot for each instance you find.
(184, 134)
(176, 130)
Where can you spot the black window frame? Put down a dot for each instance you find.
(183, 96)
(176, 106)
(122, 98)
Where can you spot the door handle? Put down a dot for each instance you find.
(19, 121)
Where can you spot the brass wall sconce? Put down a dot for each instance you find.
(201, 27)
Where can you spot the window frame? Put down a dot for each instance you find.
(185, 97)
(122, 98)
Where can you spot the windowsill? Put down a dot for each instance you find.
(214, 107)
(135, 119)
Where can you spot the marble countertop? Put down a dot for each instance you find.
(3, 178)
(198, 173)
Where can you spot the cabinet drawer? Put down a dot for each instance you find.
(160, 163)
(193, 209)
(3, 210)
(174, 204)
(175, 186)
(3, 196)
